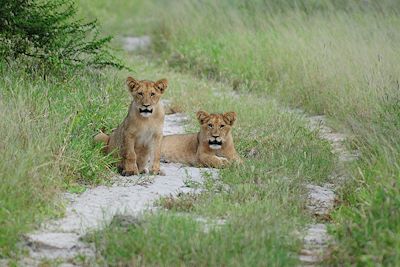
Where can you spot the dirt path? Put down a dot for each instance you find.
(95, 208)
(321, 199)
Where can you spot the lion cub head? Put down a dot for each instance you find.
(216, 127)
(146, 94)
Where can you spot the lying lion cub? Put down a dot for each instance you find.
(212, 146)
(140, 133)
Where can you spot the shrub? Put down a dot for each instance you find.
(48, 31)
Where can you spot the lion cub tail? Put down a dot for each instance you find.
(101, 137)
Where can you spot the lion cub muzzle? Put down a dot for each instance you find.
(215, 143)
(146, 111)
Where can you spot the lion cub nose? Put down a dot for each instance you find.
(215, 135)
(146, 106)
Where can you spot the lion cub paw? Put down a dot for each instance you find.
(129, 173)
(157, 172)
(222, 161)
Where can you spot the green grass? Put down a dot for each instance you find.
(119, 18)
(264, 206)
(48, 120)
(170, 240)
(338, 58)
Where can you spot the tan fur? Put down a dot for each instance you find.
(101, 137)
(195, 150)
(139, 136)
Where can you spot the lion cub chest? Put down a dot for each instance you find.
(145, 137)
(146, 134)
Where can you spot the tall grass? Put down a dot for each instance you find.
(47, 124)
(262, 201)
(120, 17)
(47, 121)
(338, 58)
(27, 165)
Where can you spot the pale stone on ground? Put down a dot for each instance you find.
(316, 242)
(321, 199)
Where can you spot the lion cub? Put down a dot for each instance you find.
(140, 134)
(212, 146)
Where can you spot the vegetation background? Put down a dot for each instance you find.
(338, 58)
(332, 57)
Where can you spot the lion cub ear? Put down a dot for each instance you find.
(202, 116)
(132, 84)
(161, 85)
(229, 117)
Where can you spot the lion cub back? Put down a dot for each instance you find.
(180, 148)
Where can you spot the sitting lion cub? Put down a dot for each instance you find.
(212, 146)
(140, 133)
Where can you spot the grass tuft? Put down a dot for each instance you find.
(47, 126)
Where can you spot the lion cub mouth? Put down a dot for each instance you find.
(214, 144)
(145, 112)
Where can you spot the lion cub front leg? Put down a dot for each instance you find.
(213, 161)
(155, 166)
(128, 164)
(142, 158)
(233, 157)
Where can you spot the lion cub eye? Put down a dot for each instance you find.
(210, 125)
(152, 94)
(222, 126)
(141, 94)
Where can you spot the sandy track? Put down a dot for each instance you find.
(321, 198)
